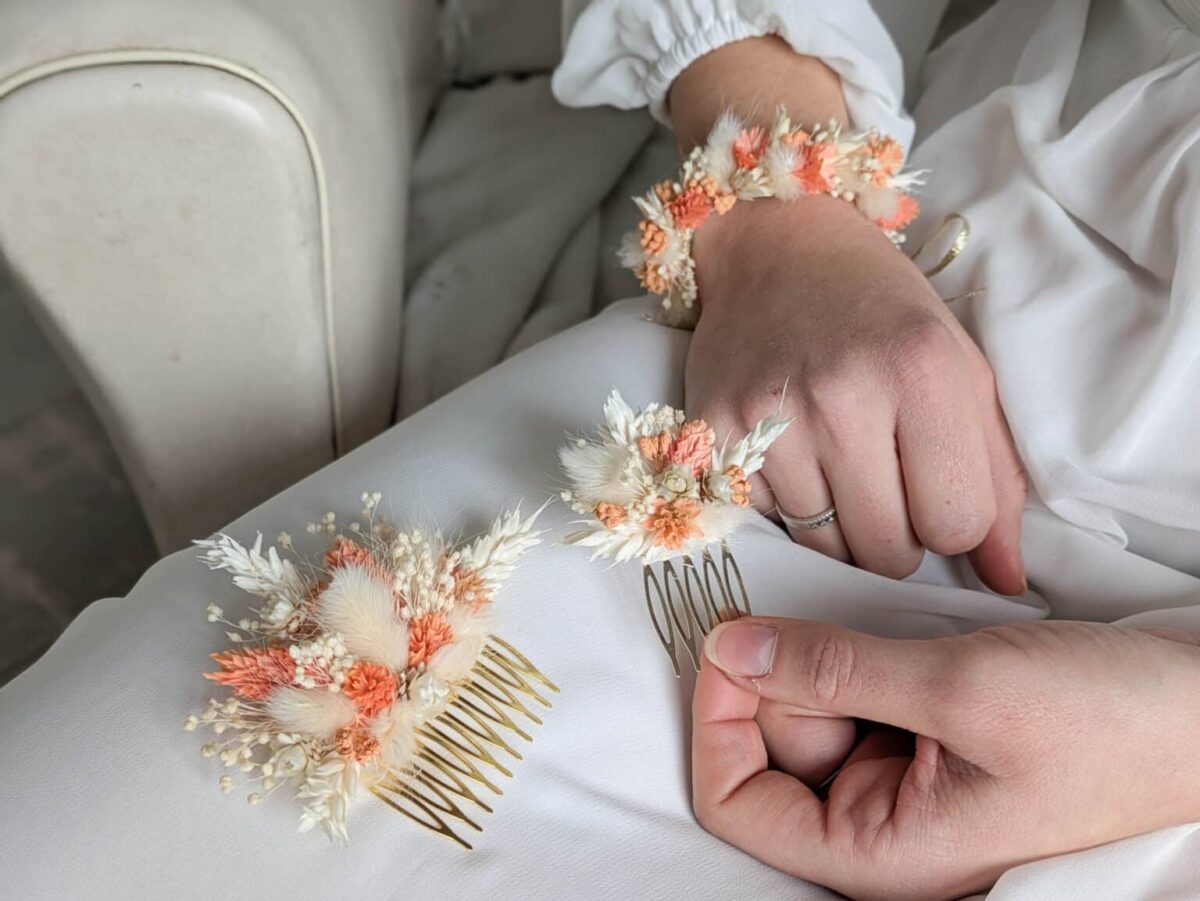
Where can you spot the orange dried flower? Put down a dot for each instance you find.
(371, 687)
(907, 209)
(749, 147)
(664, 191)
(611, 515)
(673, 522)
(354, 743)
(426, 635)
(690, 209)
(693, 448)
(815, 169)
(346, 551)
(654, 239)
(469, 587)
(723, 203)
(739, 486)
(254, 673)
(652, 280)
(889, 156)
(706, 186)
(654, 448)
(797, 138)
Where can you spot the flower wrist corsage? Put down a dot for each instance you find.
(739, 162)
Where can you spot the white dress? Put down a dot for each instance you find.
(1064, 130)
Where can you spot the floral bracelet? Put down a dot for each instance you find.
(740, 162)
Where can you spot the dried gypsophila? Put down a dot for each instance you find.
(335, 675)
(654, 485)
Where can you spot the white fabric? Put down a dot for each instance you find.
(1071, 146)
(626, 53)
(106, 796)
(1066, 132)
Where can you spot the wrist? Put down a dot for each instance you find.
(798, 240)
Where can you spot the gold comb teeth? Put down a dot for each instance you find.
(654, 486)
(684, 608)
(375, 668)
(458, 750)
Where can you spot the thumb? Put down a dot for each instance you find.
(828, 669)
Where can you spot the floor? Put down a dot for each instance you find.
(70, 528)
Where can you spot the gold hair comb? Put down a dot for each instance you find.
(654, 486)
(375, 668)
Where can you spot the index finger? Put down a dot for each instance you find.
(768, 814)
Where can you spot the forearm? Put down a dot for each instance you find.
(752, 78)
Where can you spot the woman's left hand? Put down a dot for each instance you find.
(984, 752)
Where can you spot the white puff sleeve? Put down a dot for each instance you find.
(626, 53)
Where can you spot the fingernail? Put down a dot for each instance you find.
(742, 649)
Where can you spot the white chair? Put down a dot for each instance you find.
(204, 204)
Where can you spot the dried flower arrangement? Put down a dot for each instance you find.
(374, 668)
(654, 486)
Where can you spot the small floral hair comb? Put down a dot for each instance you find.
(373, 668)
(654, 486)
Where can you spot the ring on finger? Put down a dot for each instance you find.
(824, 518)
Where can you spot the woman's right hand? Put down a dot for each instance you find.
(809, 308)
(988, 750)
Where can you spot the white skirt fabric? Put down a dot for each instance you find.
(105, 796)
(1066, 132)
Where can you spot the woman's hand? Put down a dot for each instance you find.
(809, 306)
(898, 423)
(983, 752)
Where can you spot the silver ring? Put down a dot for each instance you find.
(824, 518)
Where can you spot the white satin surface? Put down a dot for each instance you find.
(106, 796)
(1066, 132)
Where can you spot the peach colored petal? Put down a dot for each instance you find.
(673, 522)
(254, 673)
(611, 515)
(371, 687)
(706, 186)
(907, 209)
(357, 744)
(690, 209)
(723, 203)
(346, 551)
(469, 587)
(739, 486)
(652, 280)
(426, 634)
(815, 170)
(654, 448)
(749, 147)
(653, 239)
(889, 156)
(797, 138)
(693, 448)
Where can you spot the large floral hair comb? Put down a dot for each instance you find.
(654, 486)
(374, 668)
